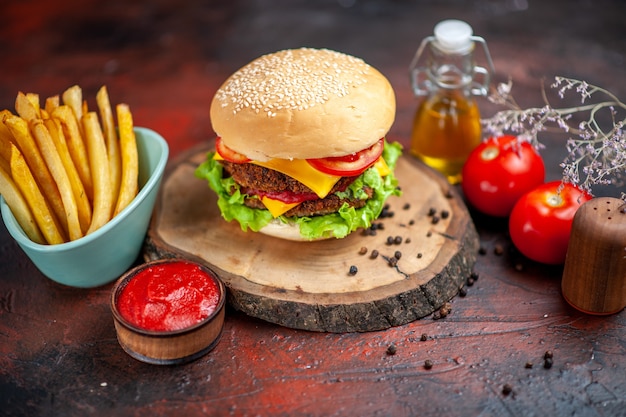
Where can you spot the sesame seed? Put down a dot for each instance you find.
(304, 78)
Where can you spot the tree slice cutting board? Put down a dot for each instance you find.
(421, 263)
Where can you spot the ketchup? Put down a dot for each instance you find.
(169, 296)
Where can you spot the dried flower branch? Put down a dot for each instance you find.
(596, 156)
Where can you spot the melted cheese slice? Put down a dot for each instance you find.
(300, 170)
(382, 167)
(277, 207)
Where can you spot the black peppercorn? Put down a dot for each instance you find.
(507, 389)
(428, 364)
(445, 309)
(391, 350)
(374, 254)
(386, 212)
(353, 270)
(547, 363)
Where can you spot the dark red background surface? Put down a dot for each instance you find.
(58, 351)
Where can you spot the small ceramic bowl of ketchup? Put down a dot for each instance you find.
(168, 312)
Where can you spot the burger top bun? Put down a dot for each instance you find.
(303, 103)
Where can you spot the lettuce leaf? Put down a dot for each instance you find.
(340, 224)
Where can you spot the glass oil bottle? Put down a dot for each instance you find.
(443, 72)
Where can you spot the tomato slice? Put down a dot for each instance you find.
(228, 154)
(349, 165)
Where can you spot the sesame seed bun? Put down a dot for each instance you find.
(287, 231)
(303, 103)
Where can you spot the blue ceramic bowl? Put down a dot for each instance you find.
(104, 255)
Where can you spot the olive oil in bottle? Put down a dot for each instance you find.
(446, 127)
(445, 130)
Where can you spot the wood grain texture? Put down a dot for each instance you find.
(594, 276)
(308, 285)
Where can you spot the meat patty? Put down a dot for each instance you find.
(264, 179)
(319, 207)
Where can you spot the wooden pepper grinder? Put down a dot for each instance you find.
(594, 276)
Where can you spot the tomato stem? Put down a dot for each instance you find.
(555, 200)
(489, 153)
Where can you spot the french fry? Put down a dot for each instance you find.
(82, 202)
(19, 207)
(34, 100)
(76, 146)
(28, 147)
(73, 97)
(111, 139)
(130, 160)
(5, 163)
(52, 103)
(57, 170)
(6, 138)
(3, 129)
(25, 108)
(65, 171)
(103, 198)
(27, 185)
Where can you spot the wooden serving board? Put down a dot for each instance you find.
(308, 285)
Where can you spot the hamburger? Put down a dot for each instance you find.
(300, 151)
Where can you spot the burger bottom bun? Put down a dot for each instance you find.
(287, 231)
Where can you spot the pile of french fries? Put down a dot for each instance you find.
(65, 171)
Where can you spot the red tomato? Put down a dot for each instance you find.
(498, 172)
(541, 221)
(228, 154)
(349, 165)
